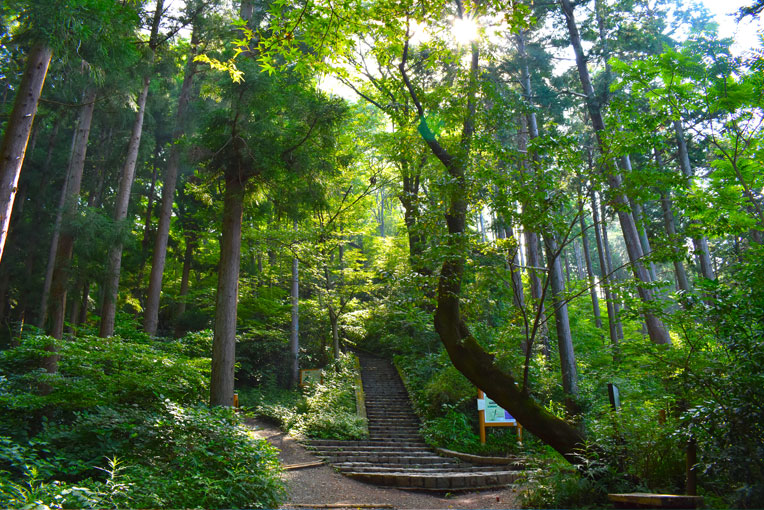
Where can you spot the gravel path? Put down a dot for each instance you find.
(322, 487)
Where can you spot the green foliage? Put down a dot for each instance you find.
(556, 484)
(175, 457)
(204, 457)
(717, 373)
(96, 372)
(326, 410)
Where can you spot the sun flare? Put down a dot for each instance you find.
(465, 30)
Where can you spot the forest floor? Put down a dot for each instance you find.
(322, 487)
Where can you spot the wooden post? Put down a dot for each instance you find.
(481, 418)
(692, 475)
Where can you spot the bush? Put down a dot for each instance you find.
(325, 411)
(96, 372)
(178, 457)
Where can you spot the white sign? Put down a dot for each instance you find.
(494, 413)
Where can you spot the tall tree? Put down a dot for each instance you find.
(17, 131)
(656, 329)
(114, 261)
(151, 313)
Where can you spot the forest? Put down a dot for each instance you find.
(200, 198)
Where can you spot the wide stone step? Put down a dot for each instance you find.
(438, 482)
(393, 424)
(373, 449)
(349, 444)
(399, 460)
(385, 426)
(367, 467)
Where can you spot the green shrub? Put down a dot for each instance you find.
(204, 457)
(323, 411)
(95, 372)
(176, 457)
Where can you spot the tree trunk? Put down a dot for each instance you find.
(111, 282)
(224, 340)
(608, 269)
(17, 132)
(147, 219)
(334, 321)
(188, 256)
(682, 282)
(589, 269)
(294, 332)
(656, 329)
(43, 310)
(528, 122)
(514, 265)
(466, 354)
(62, 253)
(537, 291)
(151, 317)
(613, 321)
(562, 323)
(580, 268)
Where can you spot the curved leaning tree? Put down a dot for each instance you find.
(331, 32)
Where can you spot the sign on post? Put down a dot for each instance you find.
(492, 415)
(310, 376)
(614, 395)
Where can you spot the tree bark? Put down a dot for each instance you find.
(111, 282)
(682, 282)
(608, 268)
(17, 132)
(589, 269)
(43, 311)
(224, 339)
(531, 238)
(562, 324)
(612, 315)
(151, 317)
(294, 332)
(62, 255)
(656, 329)
(514, 266)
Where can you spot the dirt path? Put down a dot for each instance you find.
(322, 487)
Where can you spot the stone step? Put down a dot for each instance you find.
(375, 450)
(435, 482)
(395, 454)
(367, 467)
(349, 444)
(417, 460)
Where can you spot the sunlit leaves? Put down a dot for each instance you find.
(228, 66)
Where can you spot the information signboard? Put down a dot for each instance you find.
(496, 414)
(493, 415)
(310, 376)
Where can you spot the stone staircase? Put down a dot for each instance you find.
(395, 454)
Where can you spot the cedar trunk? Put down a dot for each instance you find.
(56, 306)
(17, 132)
(294, 332)
(111, 284)
(151, 317)
(589, 269)
(656, 329)
(562, 323)
(224, 340)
